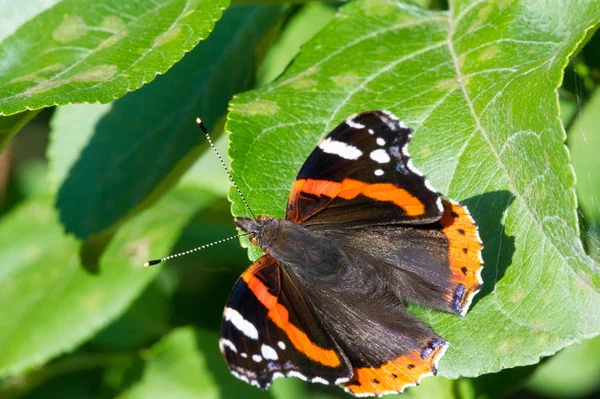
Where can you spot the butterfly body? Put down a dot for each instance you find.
(364, 235)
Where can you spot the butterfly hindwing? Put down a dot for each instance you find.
(362, 173)
(389, 349)
(436, 265)
(269, 331)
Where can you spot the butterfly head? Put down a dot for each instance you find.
(261, 230)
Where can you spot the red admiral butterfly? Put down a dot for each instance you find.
(364, 234)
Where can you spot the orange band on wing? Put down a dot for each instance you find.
(280, 316)
(395, 375)
(465, 249)
(350, 188)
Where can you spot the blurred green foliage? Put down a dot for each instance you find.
(114, 184)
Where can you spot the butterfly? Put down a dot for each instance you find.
(364, 234)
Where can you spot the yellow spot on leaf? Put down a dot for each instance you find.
(348, 80)
(113, 39)
(138, 251)
(508, 345)
(35, 76)
(502, 4)
(32, 252)
(489, 53)
(113, 22)
(167, 36)
(517, 295)
(447, 84)
(402, 18)
(260, 107)
(378, 8)
(95, 74)
(72, 28)
(425, 151)
(539, 324)
(92, 301)
(482, 16)
(303, 84)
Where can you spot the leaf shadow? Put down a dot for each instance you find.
(498, 248)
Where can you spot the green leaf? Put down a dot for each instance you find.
(298, 30)
(50, 304)
(188, 364)
(10, 125)
(573, 373)
(144, 320)
(478, 85)
(144, 143)
(96, 51)
(71, 127)
(584, 141)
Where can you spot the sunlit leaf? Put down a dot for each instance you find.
(96, 51)
(478, 85)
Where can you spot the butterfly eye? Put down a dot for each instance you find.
(263, 218)
(253, 240)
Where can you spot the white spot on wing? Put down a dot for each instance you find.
(225, 343)
(244, 355)
(378, 172)
(320, 380)
(281, 344)
(395, 119)
(240, 323)
(268, 352)
(341, 380)
(380, 141)
(257, 358)
(245, 379)
(371, 131)
(380, 156)
(355, 125)
(298, 375)
(390, 115)
(411, 167)
(339, 148)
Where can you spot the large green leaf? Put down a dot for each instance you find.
(142, 145)
(187, 364)
(478, 85)
(95, 51)
(50, 304)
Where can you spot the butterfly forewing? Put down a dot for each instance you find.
(269, 331)
(361, 173)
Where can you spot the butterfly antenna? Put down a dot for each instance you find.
(205, 131)
(157, 261)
